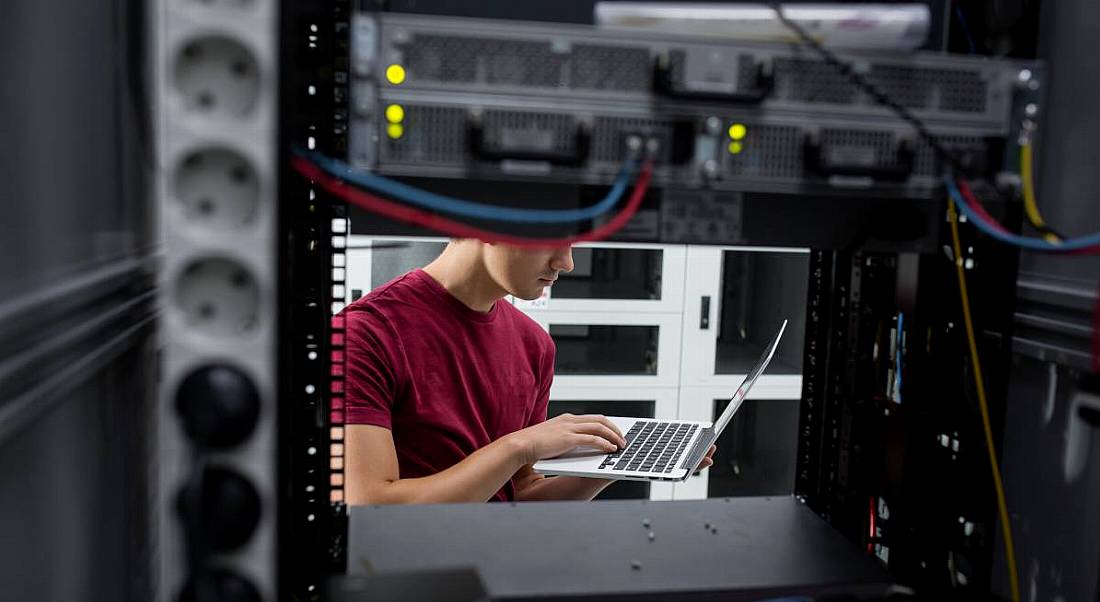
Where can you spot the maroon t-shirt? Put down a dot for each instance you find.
(445, 379)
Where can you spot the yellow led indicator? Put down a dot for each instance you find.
(738, 131)
(395, 113)
(395, 74)
(734, 148)
(395, 131)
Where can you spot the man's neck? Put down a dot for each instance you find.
(461, 270)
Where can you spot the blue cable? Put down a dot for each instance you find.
(1069, 244)
(446, 204)
(966, 28)
(897, 357)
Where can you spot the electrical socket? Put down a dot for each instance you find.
(217, 76)
(218, 188)
(218, 297)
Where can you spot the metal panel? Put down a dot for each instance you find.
(1055, 524)
(727, 547)
(76, 304)
(460, 54)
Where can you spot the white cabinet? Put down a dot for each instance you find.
(756, 451)
(622, 277)
(735, 298)
(666, 331)
(612, 349)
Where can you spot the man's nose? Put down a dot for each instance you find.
(562, 260)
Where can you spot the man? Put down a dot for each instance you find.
(447, 385)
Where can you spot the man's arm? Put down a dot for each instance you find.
(373, 476)
(533, 487)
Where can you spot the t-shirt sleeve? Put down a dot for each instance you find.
(373, 378)
(546, 378)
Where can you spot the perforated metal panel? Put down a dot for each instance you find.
(522, 63)
(963, 91)
(610, 68)
(438, 58)
(458, 59)
(430, 134)
(769, 151)
(804, 80)
(909, 86)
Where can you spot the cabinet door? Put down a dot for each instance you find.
(621, 277)
(613, 349)
(637, 402)
(735, 299)
(756, 451)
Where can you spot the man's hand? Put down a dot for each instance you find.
(563, 433)
(708, 460)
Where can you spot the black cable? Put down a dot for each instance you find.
(883, 99)
(879, 97)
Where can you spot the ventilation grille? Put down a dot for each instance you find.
(610, 68)
(962, 91)
(802, 80)
(769, 151)
(453, 59)
(909, 86)
(431, 134)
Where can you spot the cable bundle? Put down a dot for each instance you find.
(411, 205)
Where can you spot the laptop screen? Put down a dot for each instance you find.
(743, 390)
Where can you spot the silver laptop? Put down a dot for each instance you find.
(657, 450)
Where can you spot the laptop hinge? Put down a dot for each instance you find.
(699, 450)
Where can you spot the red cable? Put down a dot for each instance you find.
(871, 535)
(973, 202)
(370, 202)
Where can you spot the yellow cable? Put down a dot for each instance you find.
(1030, 205)
(1002, 506)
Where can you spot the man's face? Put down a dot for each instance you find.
(525, 272)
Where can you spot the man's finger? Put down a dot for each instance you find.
(596, 441)
(601, 430)
(604, 420)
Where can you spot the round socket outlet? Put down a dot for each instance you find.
(217, 76)
(218, 297)
(218, 188)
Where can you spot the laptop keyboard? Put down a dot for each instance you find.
(651, 447)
